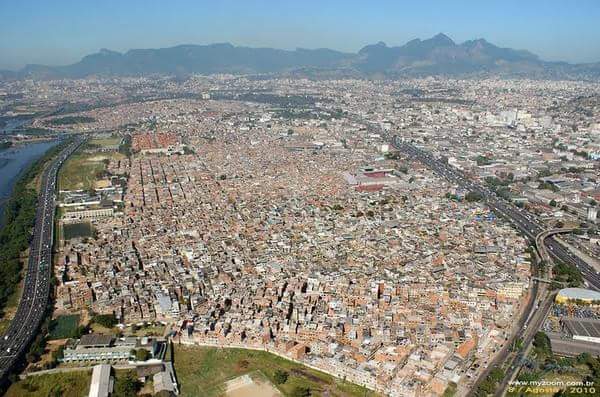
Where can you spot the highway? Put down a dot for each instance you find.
(36, 287)
(523, 221)
(539, 302)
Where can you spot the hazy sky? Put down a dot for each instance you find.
(61, 31)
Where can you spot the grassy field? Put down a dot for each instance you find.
(64, 327)
(202, 371)
(148, 330)
(105, 141)
(68, 384)
(80, 170)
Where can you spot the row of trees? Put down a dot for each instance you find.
(67, 120)
(18, 221)
(490, 383)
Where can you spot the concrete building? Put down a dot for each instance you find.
(592, 214)
(567, 295)
(102, 382)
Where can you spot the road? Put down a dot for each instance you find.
(513, 362)
(521, 219)
(525, 222)
(36, 287)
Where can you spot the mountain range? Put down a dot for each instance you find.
(439, 55)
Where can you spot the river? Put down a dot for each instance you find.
(13, 161)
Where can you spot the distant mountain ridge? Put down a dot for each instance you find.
(438, 55)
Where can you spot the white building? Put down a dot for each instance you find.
(102, 382)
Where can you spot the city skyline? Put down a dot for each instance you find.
(63, 32)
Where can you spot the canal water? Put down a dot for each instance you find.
(13, 162)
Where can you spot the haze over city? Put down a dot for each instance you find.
(62, 32)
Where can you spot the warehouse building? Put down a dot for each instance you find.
(102, 382)
(577, 295)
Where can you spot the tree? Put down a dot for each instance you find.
(127, 385)
(541, 342)
(142, 355)
(473, 196)
(280, 377)
(301, 391)
(105, 320)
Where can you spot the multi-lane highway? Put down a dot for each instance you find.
(36, 287)
(539, 303)
(524, 221)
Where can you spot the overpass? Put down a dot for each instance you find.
(540, 301)
(541, 246)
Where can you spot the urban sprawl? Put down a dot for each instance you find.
(276, 214)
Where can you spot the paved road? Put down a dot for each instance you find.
(36, 287)
(527, 335)
(526, 223)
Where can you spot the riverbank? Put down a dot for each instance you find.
(14, 162)
(18, 220)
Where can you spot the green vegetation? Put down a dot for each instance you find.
(490, 383)
(392, 155)
(548, 186)
(19, 218)
(451, 196)
(141, 354)
(281, 376)
(473, 196)
(450, 390)
(65, 327)
(204, 370)
(104, 142)
(68, 384)
(125, 147)
(301, 391)
(72, 120)
(82, 170)
(146, 329)
(188, 150)
(500, 186)
(559, 371)
(541, 344)
(34, 131)
(495, 182)
(127, 384)
(483, 160)
(74, 230)
(105, 320)
(568, 274)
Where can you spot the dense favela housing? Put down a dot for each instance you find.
(286, 222)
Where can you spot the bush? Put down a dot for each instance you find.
(127, 385)
(142, 355)
(301, 391)
(541, 342)
(473, 196)
(105, 320)
(281, 377)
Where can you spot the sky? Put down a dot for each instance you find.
(58, 32)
